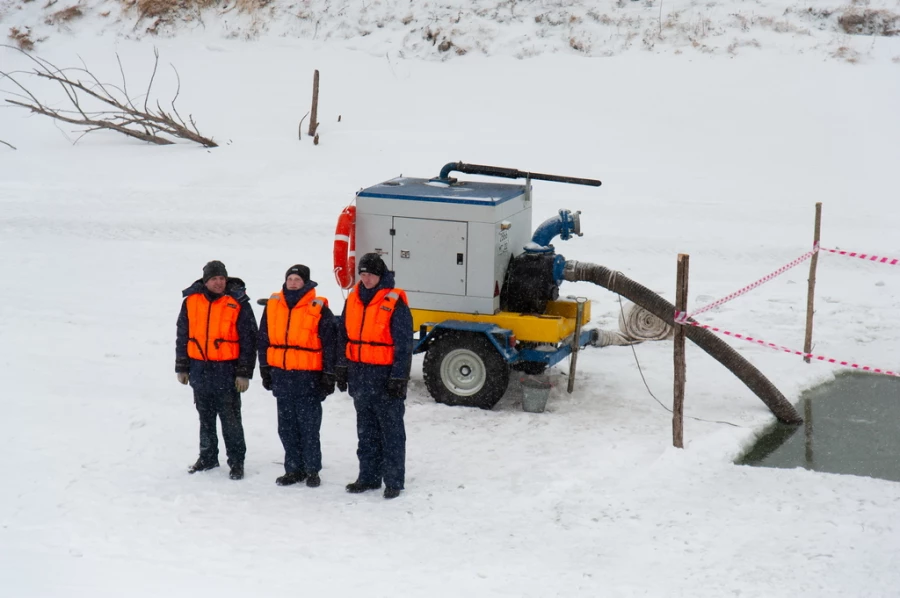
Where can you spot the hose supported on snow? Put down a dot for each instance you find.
(706, 340)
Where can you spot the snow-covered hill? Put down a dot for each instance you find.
(441, 30)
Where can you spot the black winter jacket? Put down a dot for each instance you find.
(217, 373)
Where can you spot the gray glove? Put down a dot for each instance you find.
(183, 377)
(241, 384)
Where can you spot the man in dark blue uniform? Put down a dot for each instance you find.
(215, 351)
(376, 339)
(296, 361)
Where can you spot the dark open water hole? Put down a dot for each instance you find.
(852, 427)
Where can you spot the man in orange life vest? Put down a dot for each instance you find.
(296, 361)
(215, 351)
(376, 335)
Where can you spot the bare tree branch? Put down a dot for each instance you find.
(152, 77)
(94, 124)
(300, 128)
(153, 125)
(124, 81)
(7, 144)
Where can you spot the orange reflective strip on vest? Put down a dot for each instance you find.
(294, 342)
(369, 327)
(212, 328)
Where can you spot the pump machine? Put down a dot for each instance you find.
(483, 287)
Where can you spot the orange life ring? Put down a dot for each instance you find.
(345, 248)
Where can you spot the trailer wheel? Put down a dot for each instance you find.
(465, 369)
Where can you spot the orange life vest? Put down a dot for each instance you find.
(212, 328)
(294, 342)
(369, 326)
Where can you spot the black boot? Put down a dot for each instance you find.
(237, 471)
(391, 492)
(289, 479)
(313, 481)
(202, 465)
(358, 487)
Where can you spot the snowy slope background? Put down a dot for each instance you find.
(446, 29)
(718, 149)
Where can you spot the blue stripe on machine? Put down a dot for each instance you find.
(475, 202)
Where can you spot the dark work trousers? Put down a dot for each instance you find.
(382, 440)
(225, 403)
(299, 422)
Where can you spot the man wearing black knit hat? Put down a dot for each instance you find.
(376, 339)
(215, 352)
(296, 360)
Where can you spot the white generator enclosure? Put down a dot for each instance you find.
(449, 244)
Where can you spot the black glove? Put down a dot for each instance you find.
(340, 378)
(266, 375)
(396, 388)
(326, 381)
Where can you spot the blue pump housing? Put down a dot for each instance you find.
(564, 225)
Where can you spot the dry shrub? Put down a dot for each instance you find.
(579, 45)
(243, 5)
(870, 22)
(846, 54)
(166, 8)
(22, 38)
(820, 13)
(750, 43)
(156, 8)
(64, 16)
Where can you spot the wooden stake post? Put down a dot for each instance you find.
(681, 294)
(314, 112)
(811, 289)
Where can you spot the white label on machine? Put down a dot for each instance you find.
(503, 242)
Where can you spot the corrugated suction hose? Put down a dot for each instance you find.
(706, 340)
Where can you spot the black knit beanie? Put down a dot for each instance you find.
(373, 264)
(214, 268)
(300, 270)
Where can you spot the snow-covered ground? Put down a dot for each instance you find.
(716, 155)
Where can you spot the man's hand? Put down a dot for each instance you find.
(241, 384)
(396, 388)
(327, 383)
(340, 378)
(183, 377)
(266, 375)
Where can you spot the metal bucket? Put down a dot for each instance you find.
(535, 392)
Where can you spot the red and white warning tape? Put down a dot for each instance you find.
(822, 358)
(682, 317)
(864, 256)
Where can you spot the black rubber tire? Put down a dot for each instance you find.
(482, 373)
